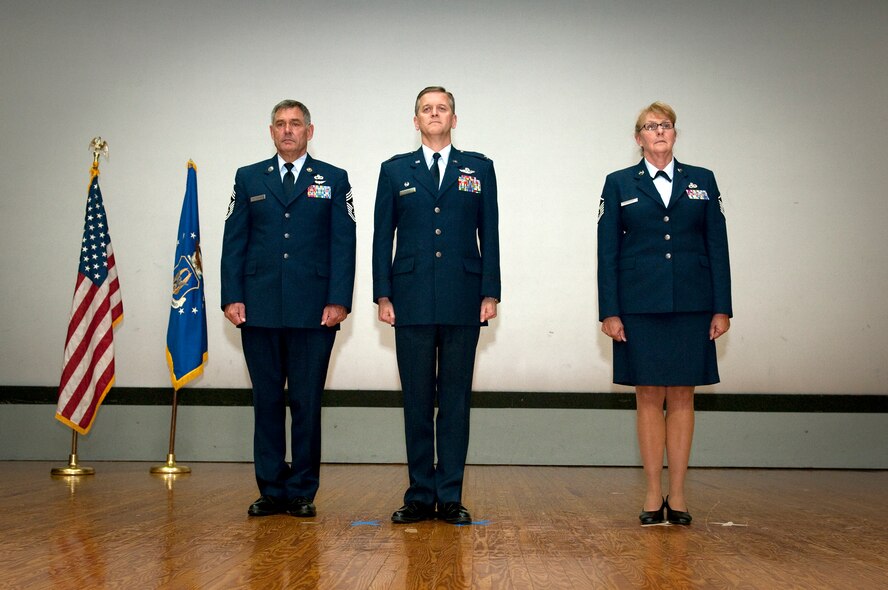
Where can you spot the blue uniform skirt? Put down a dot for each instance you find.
(666, 349)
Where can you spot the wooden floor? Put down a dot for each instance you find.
(536, 527)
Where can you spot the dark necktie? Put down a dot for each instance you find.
(436, 172)
(289, 180)
(663, 174)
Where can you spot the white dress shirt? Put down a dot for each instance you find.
(429, 154)
(297, 166)
(664, 187)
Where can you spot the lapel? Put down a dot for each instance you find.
(273, 179)
(451, 170)
(645, 184)
(421, 174)
(680, 183)
(305, 178)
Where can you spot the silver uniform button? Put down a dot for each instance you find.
(667, 237)
(287, 215)
(437, 209)
(438, 254)
(438, 232)
(668, 256)
(666, 219)
(286, 256)
(287, 236)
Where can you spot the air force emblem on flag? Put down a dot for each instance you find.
(187, 277)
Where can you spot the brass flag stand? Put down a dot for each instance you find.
(73, 468)
(171, 467)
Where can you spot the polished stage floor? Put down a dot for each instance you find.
(536, 527)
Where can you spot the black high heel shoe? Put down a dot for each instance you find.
(676, 516)
(649, 517)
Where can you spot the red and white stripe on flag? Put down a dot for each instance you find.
(88, 370)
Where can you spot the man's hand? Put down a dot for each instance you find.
(236, 313)
(488, 309)
(333, 315)
(386, 311)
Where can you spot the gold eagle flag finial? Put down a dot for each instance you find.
(98, 147)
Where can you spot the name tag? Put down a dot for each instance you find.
(257, 198)
(407, 191)
(316, 191)
(629, 202)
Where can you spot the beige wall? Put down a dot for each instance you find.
(784, 101)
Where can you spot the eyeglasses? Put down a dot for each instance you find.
(665, 126)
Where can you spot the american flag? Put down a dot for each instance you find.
(88, 371)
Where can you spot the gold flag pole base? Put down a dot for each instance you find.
(170, 467)
(72, 468)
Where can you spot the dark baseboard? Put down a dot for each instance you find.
(705, 402)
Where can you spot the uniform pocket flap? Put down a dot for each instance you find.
(402, 265)
(472, 265)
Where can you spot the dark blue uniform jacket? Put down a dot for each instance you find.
(287, 259)
(658, 259)
(447, 254)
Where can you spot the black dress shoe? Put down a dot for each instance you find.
(649, 517)
(676, 516)
(455, 513)
(301, 506)
(266, 506)
(413, 512)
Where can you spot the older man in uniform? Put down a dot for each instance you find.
(442, 285)
(288, 266)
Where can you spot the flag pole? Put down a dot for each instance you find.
(98, 147)
(171, 467)
(73, 468)
(186, 349)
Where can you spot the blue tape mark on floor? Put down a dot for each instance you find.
(365, 523)
(476, 523)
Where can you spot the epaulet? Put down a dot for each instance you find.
(478, 155)
(399, 156)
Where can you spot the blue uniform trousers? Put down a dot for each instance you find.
(436, 361)
(296, 358)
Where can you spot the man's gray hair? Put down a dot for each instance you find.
(291, 104)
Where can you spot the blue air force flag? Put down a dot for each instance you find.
(187, 330)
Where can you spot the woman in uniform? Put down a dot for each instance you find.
(664, 296)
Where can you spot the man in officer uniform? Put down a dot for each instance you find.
(441, 287)
(288, 267)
